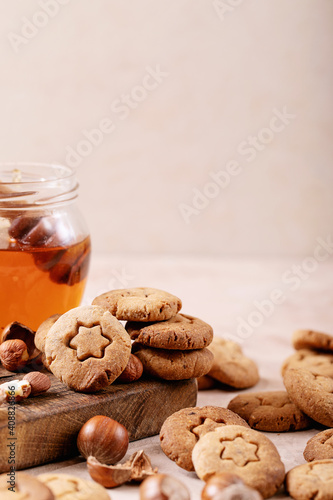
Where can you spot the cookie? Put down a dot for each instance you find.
(315, 362)
(247, 453)
(230, 366)
(205, 382)
(310, 481)
(43, 330)
(309, 339)
(181, 431)
(87, 348)
(319, 447)
(21, 486)
(312, 393)
(181, 332)
(66, 487)
(271, 411)
(173, 365)
(139, 304)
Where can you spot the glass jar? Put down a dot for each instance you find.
(44, 243)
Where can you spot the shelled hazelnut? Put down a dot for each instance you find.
(16, 330)
(14, 354)
(14, 390)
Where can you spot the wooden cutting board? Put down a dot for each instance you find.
(46, 426)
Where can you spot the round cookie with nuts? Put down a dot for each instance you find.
(270, 411)
(312, 393)
(171, 364)
(181, 332)
(320, 446)
(310, 339)
(230, 366)
(311, 480)
(139, 304)
(66, 487)
(25, 487)
(87, 348)
(247, 453)
(181, 431)
(315, 362)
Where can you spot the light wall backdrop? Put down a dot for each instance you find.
(195, 126)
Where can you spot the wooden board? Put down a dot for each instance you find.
(46, 426)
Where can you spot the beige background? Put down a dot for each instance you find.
(227, 71)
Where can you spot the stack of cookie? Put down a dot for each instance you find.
(170, 345)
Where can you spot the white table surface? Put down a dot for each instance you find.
(220, 291)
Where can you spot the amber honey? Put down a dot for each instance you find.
(36, 283)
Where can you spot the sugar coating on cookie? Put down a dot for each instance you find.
(320, 446)
(245, 452)
(271, 411)
(172, 364)
(312, 393)
(310, 339)
(87, 348)
(181, 431)
(139, 304)
(316, 362)
(313, 480)
(182, 332)
(230, 366)
(67, 487)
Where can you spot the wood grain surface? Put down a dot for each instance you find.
(46, 426)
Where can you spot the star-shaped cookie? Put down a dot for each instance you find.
(89, 342)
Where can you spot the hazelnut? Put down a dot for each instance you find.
(163, 487)
(133, 370)
(14, 354)
(15, 390)
(39, 382)
(103, 438)
(17, 330)
(227, 486)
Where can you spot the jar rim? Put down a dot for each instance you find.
(67, 171)
(31, 184)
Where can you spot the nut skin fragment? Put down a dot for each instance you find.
(39, 382)
(132, 372)
(14, 354)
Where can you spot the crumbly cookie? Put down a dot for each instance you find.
(87, 348)
(270, 411)
(181, 332)
(309, 339)
(315, 362)
(205, 382)
(320, 446)
(25, 487)
(139, 304)
(181, 431)
(245, 452)
(230, 365)
(312, 393)
(66, 487)
(173, 365)
(313, 480)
